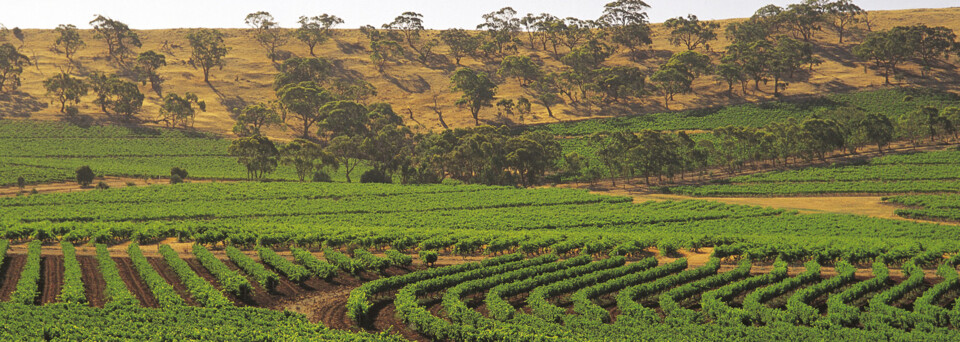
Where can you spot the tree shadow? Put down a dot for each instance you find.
(19, 104)
(233, 103)
(341, 71)
(838, 54)
(80, 120)
(412, 84)
(349, 48)
(439, 62)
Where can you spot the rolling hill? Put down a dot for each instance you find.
(410, 86)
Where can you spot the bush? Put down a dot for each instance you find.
(322, 177)
(451, 181)
(176, 179)
(375, 176)
(176, 171)
(103, 186)
(85, 176)
(34, 191)
(71, 111)
(429, 257)
(21, 183)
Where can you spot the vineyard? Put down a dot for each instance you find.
(924, 172)
(43, 152)
(555, 291)
(516, 264)
(890, 102)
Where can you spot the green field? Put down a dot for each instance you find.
(892, 102)
(43, 152)
(546, 228)
(926, 172)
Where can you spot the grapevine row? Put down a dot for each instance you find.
(230, 280)
(166, 296)
(420, 319)
(116, 292)
(28, 287)
(798, 309)
(627, 298)
(360, 300)
(294, 272)
(583, 299)
(268, 279)
(670, 301)
(318, 268)
(72, 290)
(538, 301)
(201, 291)
(755, 301)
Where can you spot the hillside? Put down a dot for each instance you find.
(410, 86)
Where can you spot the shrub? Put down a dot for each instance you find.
(103, 185)
(176, 171)
(451, 181)
(375, 176)
(322, 177)
(429, 257)
(71, 111)
(176, 179)
(85, 176)
(21, 183)
(34, 191)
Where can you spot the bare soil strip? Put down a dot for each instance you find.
(171, 277)
(12, 265)
(136, 285)
(93, 282)
(52, 280)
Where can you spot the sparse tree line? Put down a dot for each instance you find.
(665, 155)
(776, 45)
(116, 94)
(354, 134)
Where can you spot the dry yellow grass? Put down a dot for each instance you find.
(410, 86)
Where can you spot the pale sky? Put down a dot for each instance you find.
(438, 14)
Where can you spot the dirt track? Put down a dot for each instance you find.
(93, 282)
(71, 186)
(12, 265)
(52, 278)
(136, 285)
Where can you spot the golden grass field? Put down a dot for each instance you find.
(410, 86)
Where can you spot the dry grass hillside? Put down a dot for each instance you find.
(410, 86)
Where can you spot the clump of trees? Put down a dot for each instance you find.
(179, 110)
(208, 50)
(85, 176)
(664, 155)
(11, 66)
(65, 89)
(887, 50)
(120, 39)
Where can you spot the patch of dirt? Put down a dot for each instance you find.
(12, 265)
(93, 281)
(136, 285)
(386, 320)
(70, 186)
(51, 281)
(857, 204)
